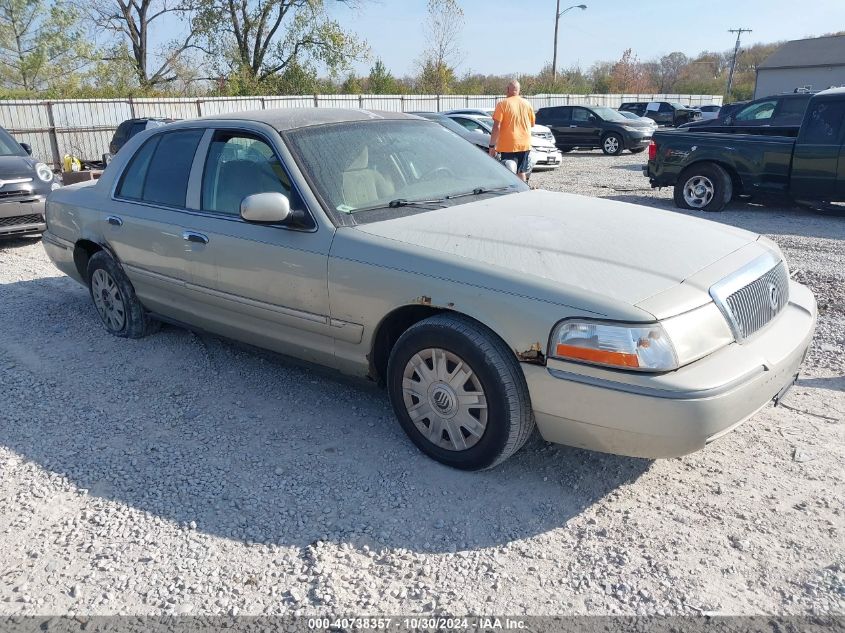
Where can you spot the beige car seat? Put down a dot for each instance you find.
(363, 186)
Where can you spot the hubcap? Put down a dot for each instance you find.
(698, 191)
(108, 300)
(611, 144)
(444, 399)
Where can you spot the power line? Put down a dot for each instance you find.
(739, 33)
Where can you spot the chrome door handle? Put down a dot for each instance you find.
(192, 236)
(114, 220)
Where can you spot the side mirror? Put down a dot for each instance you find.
(270, 208)
(27, 148)
(592, 118)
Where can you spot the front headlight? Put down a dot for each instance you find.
(642, 347)
(44, 172)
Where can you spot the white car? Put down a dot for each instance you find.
(710, 111)
(544, 153)
(635, 117)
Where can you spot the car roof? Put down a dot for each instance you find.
(293, 118)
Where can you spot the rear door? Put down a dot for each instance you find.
(817, 159)
(557, 119)
(585, 128)
(144, 224)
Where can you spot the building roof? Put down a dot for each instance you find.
(816, 51)
(292, 118)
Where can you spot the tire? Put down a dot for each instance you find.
(703, 187)
(417, 388)
(611, 144)
(114, 299)
(565, 149)
(637, 150)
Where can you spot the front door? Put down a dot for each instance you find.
(267, 284)
(816, 161)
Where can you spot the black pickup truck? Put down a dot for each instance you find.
(708, 169)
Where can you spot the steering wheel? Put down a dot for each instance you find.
(437, 170)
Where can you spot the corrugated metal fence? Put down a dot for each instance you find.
(84, 127)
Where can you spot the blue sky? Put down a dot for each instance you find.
(513, 36)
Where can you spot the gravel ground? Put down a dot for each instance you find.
(184, 474)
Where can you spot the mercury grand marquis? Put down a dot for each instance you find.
(383, 245)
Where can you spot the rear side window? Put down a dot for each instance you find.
(137, 127)
(553, 115)
(159, 171)
(823, 124)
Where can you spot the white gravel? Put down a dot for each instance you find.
(184, 474)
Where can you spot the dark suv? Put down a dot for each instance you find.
(786, 110)
(663, 112)
(593, 126)
(131, 127)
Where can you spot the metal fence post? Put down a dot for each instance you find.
(316, 102)
(199, 107)
(131, 108)
(54, 140)
(438, 103)
(401, 103)
(263, 104)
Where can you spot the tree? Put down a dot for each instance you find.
(629, 75)
(667, 71)
(443, 28)
(261, 38)
(131, 22)
(40, 45)
(380, 81)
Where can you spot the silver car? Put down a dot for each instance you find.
(384, 246)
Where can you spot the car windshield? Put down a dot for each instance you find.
(608, 114)
(394, 166)
(8, 145)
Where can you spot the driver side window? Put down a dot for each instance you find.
(580, 115)
(757, 111)
(238, 165)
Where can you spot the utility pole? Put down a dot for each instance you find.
(559, 13)
(739, 33)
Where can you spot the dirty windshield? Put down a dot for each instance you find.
(382, 169)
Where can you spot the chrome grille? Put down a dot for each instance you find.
(18, 220)
(753, 296)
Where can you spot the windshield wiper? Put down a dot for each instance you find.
(402, 202)
(479, 191)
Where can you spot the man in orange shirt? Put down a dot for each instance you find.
(513, 119)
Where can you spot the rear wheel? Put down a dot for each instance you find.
(114, 298)
(459, 392)
(703, 187)
(611, 144)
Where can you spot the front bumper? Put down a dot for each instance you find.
(22, 217)
(679, 412)
(637, 141)
(546, 158)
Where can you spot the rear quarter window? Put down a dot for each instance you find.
(823, 125)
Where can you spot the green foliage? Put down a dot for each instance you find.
(380, 81)
(42, 45)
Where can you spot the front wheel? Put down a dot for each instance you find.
(459, 392)
(612, 144)
(703, 187)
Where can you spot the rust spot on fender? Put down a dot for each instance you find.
(533, 354)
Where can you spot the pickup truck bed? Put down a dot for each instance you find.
(756, 163)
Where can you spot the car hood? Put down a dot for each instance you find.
(622, 251)
(16, 167)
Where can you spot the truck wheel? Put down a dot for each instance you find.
(459, 393)
(611, 144)
(703, 187)
(114, 298)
